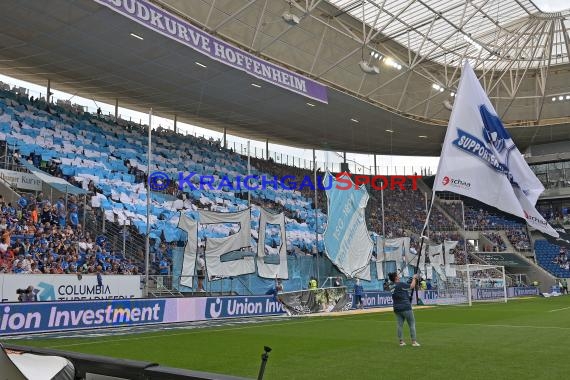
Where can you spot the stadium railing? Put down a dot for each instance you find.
(88, 365)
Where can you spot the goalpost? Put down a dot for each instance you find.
(465, 284)
(483, 283)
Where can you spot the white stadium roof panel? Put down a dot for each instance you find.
(510, 34)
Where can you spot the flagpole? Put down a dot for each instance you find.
(383, 216)
(426, 200)
(464, 230)
(383, 220)
(422, 237)
(316, 212)
(381, 199)
(248, 174)
(148, 195)
(384, 256)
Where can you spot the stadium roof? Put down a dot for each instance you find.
(86, 49)
(506, 34)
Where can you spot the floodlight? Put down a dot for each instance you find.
(290, 18)
(368, 68)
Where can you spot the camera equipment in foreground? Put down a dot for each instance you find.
(264, 358)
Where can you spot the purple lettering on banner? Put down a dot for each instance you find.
(174, 27)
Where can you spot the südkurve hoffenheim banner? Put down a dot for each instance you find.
(177, 29)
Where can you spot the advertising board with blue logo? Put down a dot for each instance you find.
(373, 299)
(231, 307)
(487, 293)
(21, 318)
(36, 317)
(522, 291)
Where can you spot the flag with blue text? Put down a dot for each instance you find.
(480, 160)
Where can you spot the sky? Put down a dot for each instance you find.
(552, 5)
(358, 163)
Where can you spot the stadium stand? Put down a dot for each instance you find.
(454, 210)
(497, 240)
(552, 258)
(107, 158)
(519, 239)
(108, 161)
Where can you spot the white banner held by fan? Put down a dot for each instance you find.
(265, 268)
(189, 262)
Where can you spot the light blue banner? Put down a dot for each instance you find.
(347, 241)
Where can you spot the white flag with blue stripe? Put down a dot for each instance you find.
(480, 160)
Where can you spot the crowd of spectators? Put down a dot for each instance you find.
(280, 171)
(498, 245)
(438, 237)
(519, 239)
(37, 236)
(404, 211)
(562, 259)
(438, 221)
(454, 209)
(477, 219)
(559, 215)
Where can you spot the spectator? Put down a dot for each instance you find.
(99, 276)
(337, 282)
(201, 269)
(164, 267)
(358, 293)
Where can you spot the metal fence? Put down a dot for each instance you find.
(170, 285)
(123, 238)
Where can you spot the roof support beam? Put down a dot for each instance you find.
(210, 13)
(546, 79)
(487, 90)
(306, 12)
(371, 38)
(259, 24)
(540, 25)
(415, 63)
(233, 15)
(517, 85)
(318, 52)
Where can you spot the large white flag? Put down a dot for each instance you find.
(480, 160)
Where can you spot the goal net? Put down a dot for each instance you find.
(465, 284)
(484, 283)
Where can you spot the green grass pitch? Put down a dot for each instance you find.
(524, 339)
